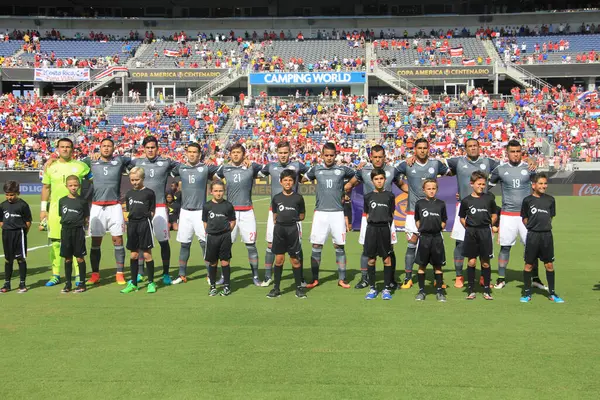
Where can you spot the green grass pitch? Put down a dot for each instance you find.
(180, 343)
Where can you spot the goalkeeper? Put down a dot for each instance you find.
(53, 189)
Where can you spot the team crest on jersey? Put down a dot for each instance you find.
(160, 163)
(523, 172)
(482, 167)
(387, 174)
(200, 169)
(431, 170)
(114, 162)
(337, 172)
(291, 167)
(74, 169)
(64, 210)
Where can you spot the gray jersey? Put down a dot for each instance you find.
(157, 172)
(274, 169)
(516, 184)
(463, 167)
(364, 176)
(330, 185)
(194, 179)
(240, 180)
(415, 176)
(107, 179)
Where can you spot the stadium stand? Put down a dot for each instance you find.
(429, 51)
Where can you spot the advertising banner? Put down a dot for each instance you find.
(307, 78)
(446, 72)
(183, 74)
(447, 192)
(30, 188)
(587, 189)
(61, 74)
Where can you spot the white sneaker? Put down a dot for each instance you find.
(303, 284)
(500, 285)
(539, 285)
(178, 281)
(267, 282)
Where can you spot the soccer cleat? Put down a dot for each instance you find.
(420, 296)
(274, 293)
(121, 279)
(300, 293)
(5, 288)
(66, 289)
(141, 278)
(441, 297)
(151, 288)
(55, 280)
(267, 282)
(166, 278)
(180, 279)
(314, 283)
(129, 288)
(555, 298)
(256, 281)
(303, 284)
(371, 294)
(221, 280)
(443, 285)
(525, 299)
(225, 292)
(481, 282)
(22, 289)
(537, 283)
(80, 289)
(500, 284)
(386, 294)
(488, 296)
(94, 279)
(471, 296)
(460, 282)
(213, 292)
(362, 284)
(343, 284)
(408, 283)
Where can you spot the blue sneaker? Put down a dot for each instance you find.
(140, 278)
(167, 279)
(371, 294)
(525, 299)
(55, 280)
(555, 298)
(386, 295)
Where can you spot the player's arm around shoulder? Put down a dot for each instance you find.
(301, 207)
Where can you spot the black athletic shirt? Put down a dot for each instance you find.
(140, 203)
(217, 216)
(174, 209)
(477, 211)
(287, 208)
(431, 214)
(14, 215)
(539, 212)
(380, 207)
(73, 212)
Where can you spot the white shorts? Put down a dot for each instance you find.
(271, 226)
(106, 219)
(458, 231)
(160, 224)
(363, 232)
(245, 224)
(325, 223)
(511, 226)
(410, 226)
(190, 223)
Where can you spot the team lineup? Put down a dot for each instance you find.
(526, 213)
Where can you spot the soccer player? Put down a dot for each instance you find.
(363, 175)
(74, 213)
(477, 215)
(430, 218)
(288, 211)
(240, 179)
(463, 167)
(328, 217)
(194, 178)
(515, 178)
(537, 212)
(274, 169)
(156, 171)
(106, 214)
(379, 205)
(141, 205)
(53, 189)
(15, 221)
(219, 221)
(423, 168)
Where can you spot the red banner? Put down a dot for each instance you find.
(587, 189)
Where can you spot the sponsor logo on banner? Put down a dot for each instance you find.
(307, 78)
(448, 71)
(61, 74)
(587, 189)
(30, 188)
